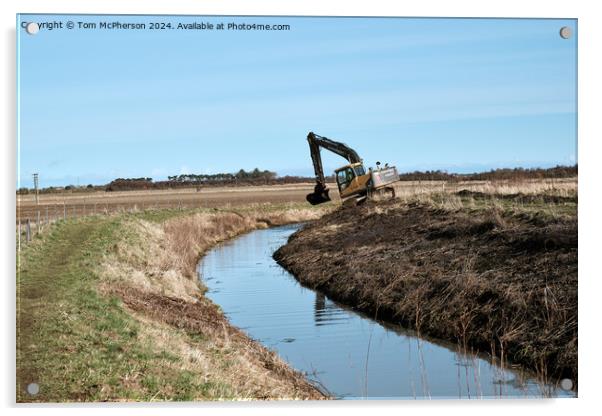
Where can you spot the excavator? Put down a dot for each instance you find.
(354, 183)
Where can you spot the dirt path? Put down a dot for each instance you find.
(50, 274)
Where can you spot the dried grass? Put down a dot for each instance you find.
(153, 270)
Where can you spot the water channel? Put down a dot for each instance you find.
(346, 352)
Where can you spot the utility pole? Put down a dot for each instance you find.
(35, 185)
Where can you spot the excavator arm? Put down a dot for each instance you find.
(320, 193)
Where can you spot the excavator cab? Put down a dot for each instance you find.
(351, 179)
(344, 177)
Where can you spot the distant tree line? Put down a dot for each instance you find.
(59, 189)
(121, 184)
(493, 175)
(240, 178)
(241, 175)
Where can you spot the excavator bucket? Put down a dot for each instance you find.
(319, 195)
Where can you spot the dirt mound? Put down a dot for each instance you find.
(502, 283)
(520, 197)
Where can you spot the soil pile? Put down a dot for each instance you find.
(500, 282)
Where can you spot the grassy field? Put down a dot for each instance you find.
(109, 308)
(492, 267)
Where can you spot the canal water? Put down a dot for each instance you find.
(346, 352)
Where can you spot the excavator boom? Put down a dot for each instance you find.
(315, 141)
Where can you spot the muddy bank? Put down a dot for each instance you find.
(502, 282)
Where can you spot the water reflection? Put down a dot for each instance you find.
(326, 312)
(320, 309)
(350, 354)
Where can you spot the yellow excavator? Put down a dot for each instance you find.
(354, 183)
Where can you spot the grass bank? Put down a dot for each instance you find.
(109, 309)
(493, 272)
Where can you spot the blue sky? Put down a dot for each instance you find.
(456, 94)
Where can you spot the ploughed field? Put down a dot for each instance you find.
(494, 269)
(77, 204)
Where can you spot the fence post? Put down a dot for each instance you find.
(19, 233)
(84, 209)
(64, 211)
(28, 231)
(38, 222)
(47, 215)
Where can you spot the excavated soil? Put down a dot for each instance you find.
(503, 283)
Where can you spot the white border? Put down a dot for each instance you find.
(589, 180)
